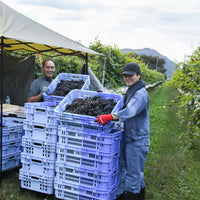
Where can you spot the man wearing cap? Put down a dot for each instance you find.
(135, 117)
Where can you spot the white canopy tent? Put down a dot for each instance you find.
(20, 33)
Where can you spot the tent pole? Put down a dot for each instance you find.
(86, 67)
(1, 75)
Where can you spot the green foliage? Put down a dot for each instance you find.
(64, 64)
(114, 60)
(111, 64)
(107, 68)
(171, 171)
(151, 76)
(153, 63)
(187, 80)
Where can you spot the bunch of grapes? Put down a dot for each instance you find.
(92, 106)
(64, 87)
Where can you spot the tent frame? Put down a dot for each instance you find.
(19, 33)
(1, 119)
(76, 53)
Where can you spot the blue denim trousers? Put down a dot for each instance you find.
(132, 162)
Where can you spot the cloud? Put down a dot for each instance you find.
(166, 26)
(75, 5)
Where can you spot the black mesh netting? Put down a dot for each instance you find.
(17, 76)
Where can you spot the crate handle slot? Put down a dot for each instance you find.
(11, 157)
(39, 127)
(13, 143)
(33, 177)
(37, 144)
(39, 109)
(17, 122)
(37, 161)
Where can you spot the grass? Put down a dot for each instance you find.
(172, 171)
(172, 168)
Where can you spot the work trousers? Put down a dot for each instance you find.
(132, 162)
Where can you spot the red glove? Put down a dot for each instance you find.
(104, 119)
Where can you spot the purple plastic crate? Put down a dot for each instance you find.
(40, 166)
(10, 161)
(88, 178)
(65, 77)
(86, 126)
(85, 123)
(10, 148)
(11, 133)
(66, 191)
(38, 148)
(35, 182)
(12, 130)
(86, 159)
(40, 131)
(14, 120)
(107, 143)
(41, 112)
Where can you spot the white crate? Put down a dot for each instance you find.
(87, 159)
(66, 191)
(10, 148)
(40, 166)
(10, 161)
(14, 120)
(107, 143)
(38, 148)
(66, 77)
(35, 182)
(40, 131)
(85, 123)
(12, 129)
(87, 178)
(11, 133)
(41, 112)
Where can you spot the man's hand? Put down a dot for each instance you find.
(104, 119)
(44, 89)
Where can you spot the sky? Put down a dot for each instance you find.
(170, 27)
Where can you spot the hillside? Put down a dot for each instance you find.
(169, 64)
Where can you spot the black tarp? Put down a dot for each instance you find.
(18, 74)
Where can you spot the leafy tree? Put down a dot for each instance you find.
(187, 80)
(154, 63)
(115, 60)
(107, 68)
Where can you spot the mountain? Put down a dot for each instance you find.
(169, 64)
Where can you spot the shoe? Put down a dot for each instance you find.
(142, 194)
(120, 197)
(132, 196)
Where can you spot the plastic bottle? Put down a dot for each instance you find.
(7, 100)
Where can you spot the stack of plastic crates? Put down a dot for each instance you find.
(39, 144)
(65, 77)
(11, 142)
(87, 153)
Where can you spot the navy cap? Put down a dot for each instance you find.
(131, 69)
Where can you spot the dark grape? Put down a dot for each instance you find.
(92, 106)
(64, 87)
